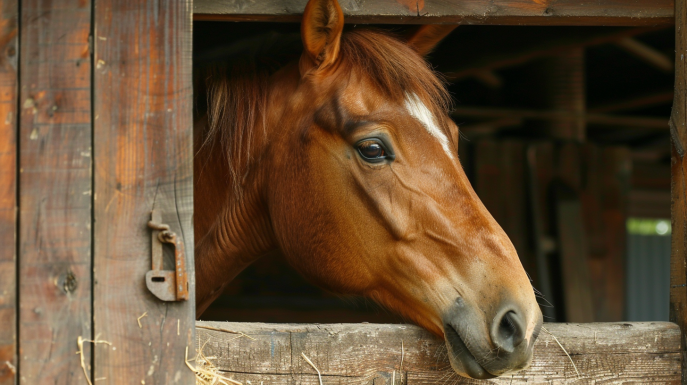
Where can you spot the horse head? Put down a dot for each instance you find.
(347, 162)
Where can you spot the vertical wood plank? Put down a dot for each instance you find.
(678, 132)
(573, 247)
(56, 185)
(606, 175)
(8, 179)
(143, 160)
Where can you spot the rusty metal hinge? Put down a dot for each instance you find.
(167, 285)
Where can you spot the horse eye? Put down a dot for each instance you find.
(371, 151)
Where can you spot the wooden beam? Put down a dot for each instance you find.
(504, 12)
(634, 103)
(9, 25)
(678, 172)
(500, 55)
(55, 148)
(357, 354)
(143, 133)
(475, 130)
(647, 53)
(649, 123)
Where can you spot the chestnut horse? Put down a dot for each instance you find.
(346, 161)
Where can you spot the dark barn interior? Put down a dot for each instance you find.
(564, 137)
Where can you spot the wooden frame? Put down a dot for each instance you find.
(501, 12)
(369, 354)
(678, 133)
(95, 131)
(103, 136)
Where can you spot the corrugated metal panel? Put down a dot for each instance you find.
(648, 277)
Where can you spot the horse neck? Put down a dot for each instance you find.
(231, 232)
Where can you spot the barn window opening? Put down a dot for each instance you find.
(571, 122)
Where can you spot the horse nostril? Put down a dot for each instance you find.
(507, 328)
(509, 332)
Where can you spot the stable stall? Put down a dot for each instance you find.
(96, 154)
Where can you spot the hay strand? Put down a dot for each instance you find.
(564, 351)
(139, 319)
(319, 375)
(206, 372)
(400, 371)
(79, 342)
(224, 330)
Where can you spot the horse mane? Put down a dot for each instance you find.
(236, 85)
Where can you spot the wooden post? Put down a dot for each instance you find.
(55, 181)
(564, 90)
(8, 187)
(606, 176)
(143, 133)
(678, 132)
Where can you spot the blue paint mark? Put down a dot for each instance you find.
(272, 344)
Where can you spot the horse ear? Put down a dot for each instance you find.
(321, 33)
(426, 37)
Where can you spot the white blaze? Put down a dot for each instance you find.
(420, 112)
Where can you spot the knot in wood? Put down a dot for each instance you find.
(67, 282)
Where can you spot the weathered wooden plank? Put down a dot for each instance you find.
(8, 178)
(505, 12)
(605, 192)
(143, 154)
(611, 353)
(55, 184)
(678, 133)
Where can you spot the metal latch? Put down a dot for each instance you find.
(167, 285)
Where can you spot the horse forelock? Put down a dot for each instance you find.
(237, 93)
(393, 67)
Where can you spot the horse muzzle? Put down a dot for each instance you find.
(482, 346)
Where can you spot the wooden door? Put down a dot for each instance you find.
(94, 135)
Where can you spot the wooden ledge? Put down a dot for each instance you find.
(501, 12)
(371, 354)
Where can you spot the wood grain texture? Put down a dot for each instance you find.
(504, 12)
(56, 186)
(8, 178)
(678, 132)
(143, 160)
(612, 353)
